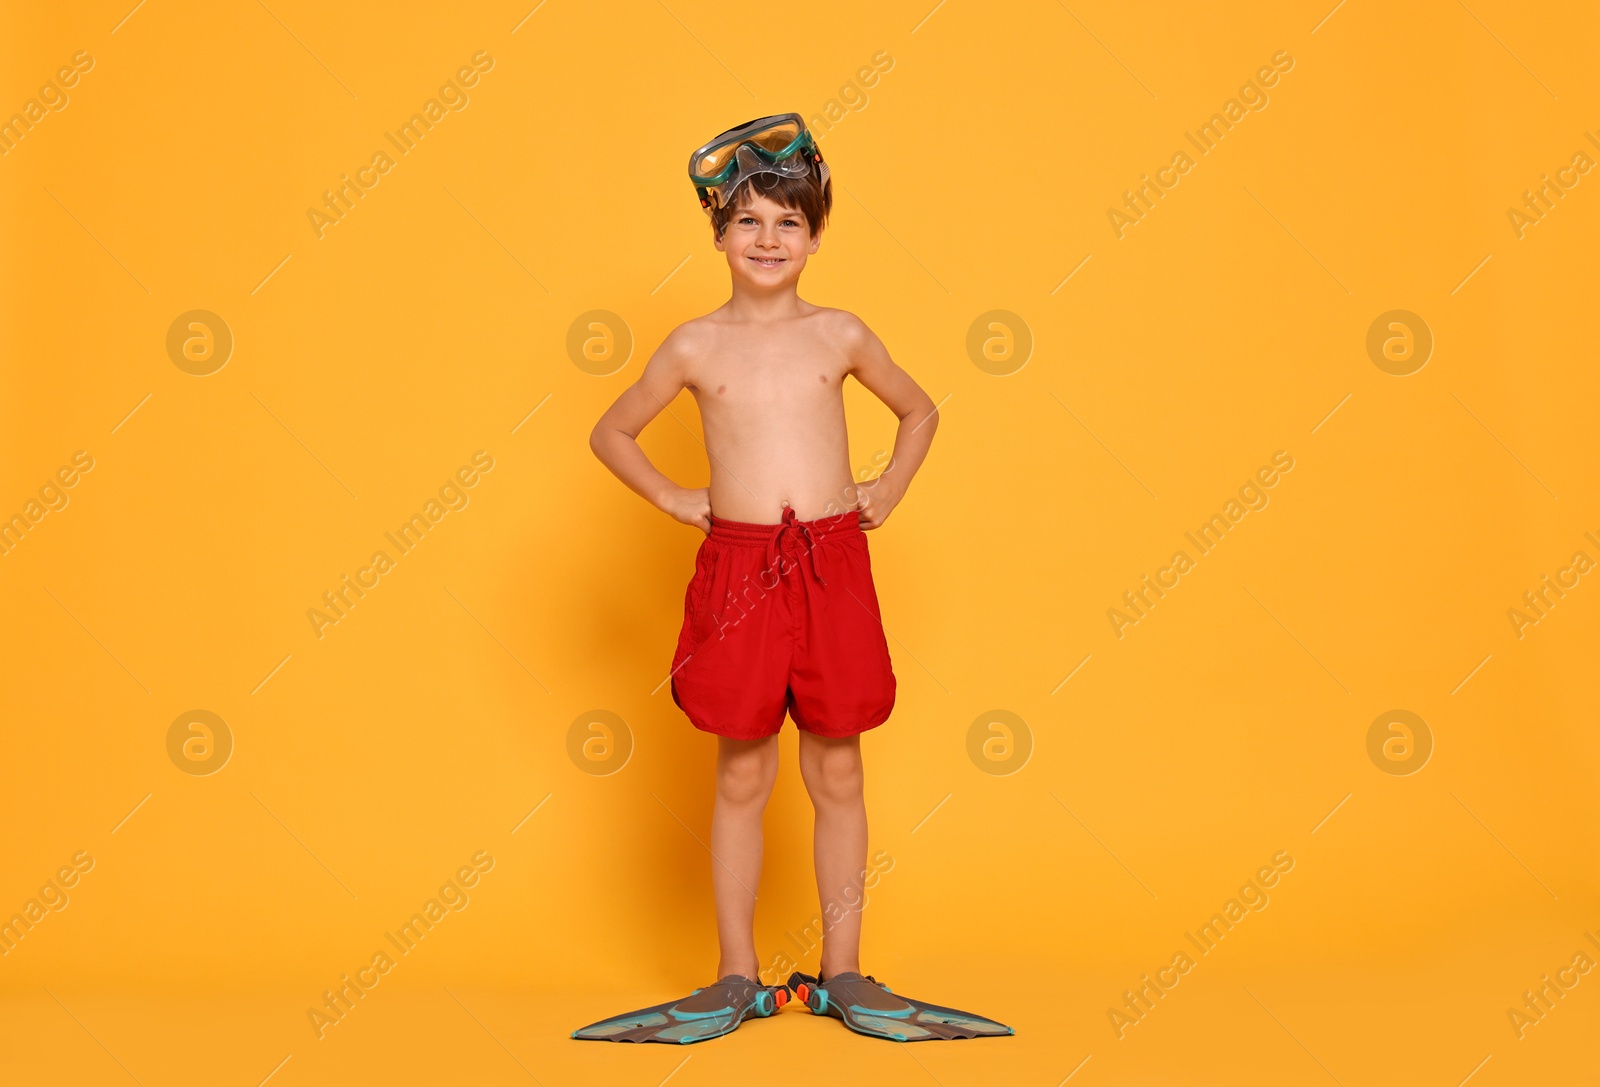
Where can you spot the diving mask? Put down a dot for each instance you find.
(778, 145)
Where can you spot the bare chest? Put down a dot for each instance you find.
(749, 377)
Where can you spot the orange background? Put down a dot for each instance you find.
(974, 175)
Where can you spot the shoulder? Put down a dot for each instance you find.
(687, 342)
(844, 328)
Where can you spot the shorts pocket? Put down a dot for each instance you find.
(867, 592)
(697, 606)
(863, 572)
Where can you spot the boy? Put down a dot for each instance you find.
(780, 616)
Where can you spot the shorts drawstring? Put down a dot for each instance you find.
(791, 524)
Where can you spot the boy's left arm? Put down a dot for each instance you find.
(871, 365)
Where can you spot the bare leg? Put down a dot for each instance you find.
(746, 770)
(833, 775)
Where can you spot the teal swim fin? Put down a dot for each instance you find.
(705, 1013)
(866, 1006)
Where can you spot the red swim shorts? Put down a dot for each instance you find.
(783, 618)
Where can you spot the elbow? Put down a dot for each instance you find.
(597, 442)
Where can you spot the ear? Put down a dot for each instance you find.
(718, 240)
(815, 242)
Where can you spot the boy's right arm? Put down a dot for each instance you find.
(615, 437)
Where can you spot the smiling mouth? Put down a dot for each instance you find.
(768, 262)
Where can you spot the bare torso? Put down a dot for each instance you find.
(772, 404)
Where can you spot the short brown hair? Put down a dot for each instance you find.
(801, 194)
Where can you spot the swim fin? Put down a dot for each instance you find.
(709, 1012)
(867, 1006)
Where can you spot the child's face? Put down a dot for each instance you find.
(767, 244)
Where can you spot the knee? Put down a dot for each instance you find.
(833, 774)
(746, 778)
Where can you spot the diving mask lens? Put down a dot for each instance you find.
(774, 138)
(768, 145)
